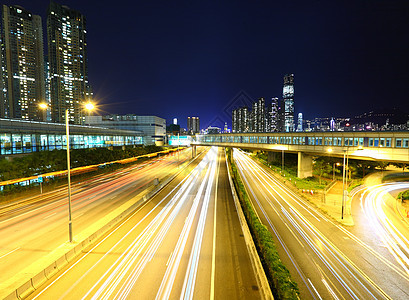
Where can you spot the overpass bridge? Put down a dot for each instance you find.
(391, 146)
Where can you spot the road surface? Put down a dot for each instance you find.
(184, 243)
(324, 258)
(31, 228)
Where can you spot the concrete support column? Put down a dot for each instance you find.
(304, 165)
(193, 151)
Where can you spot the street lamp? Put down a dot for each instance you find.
(44, 107)
(67, 137)
(343, 186)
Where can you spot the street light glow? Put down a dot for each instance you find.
(43, 105)
(89, 106)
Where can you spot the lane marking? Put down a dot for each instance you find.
(214, 237)
(10, 252)
(49, 216)
(315, 290)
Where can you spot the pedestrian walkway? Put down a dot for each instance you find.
(331, 203)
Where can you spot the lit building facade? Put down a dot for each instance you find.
(287, 109)
(193, 125)
(23, 82)
(273, 116)
(67, 55)
(152, 128)
(299, 123)
(240, 120)
(258, 116)
(19, 136)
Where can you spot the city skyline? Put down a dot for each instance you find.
(349, 58)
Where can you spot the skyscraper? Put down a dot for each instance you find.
(258, 116)
(67, 55)
(273, 116)
(299, 123)
(193, 125)
(23, 82)
(240, 120)
(287, 108)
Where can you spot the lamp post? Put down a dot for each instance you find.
(67, 134)
(178, 147)
(44, 107)
(89, 106)
(343, 186)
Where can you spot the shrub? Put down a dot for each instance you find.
(282, 286)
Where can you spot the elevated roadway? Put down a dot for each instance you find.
(384, 146)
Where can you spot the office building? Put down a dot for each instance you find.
(153, 128)
(299, 123)
(67, 56)
(20, 136)
(193, 125)
(287, 107)
(22, 64)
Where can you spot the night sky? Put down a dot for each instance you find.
(193, 58)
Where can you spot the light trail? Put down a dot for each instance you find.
(347, 274)
(183, 183)
(375, 207)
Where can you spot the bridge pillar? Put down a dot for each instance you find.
(304, 165)
(193, 151)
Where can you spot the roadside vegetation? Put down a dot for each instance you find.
(56, 160)
(325, 169)
(282, 286)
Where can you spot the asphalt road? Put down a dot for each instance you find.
(33, 227)
(186, 242)
(326, 259)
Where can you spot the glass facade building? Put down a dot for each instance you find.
(17, 136)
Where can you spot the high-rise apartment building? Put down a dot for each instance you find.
(67, 55)
(240, 120)
(234, 121)
(22, 64)
(273, 116)
(193, 125)
(258, 116)
(287, 109)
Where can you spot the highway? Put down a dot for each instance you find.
(184, 243)
(326, 259)
(33, 227)
(378, 210)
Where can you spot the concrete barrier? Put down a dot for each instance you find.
(25, 289)
(70, 255)
(61, 262)
(73, 250)
(38, 280)
(265, 289)
(12, 296)
(50, 270)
